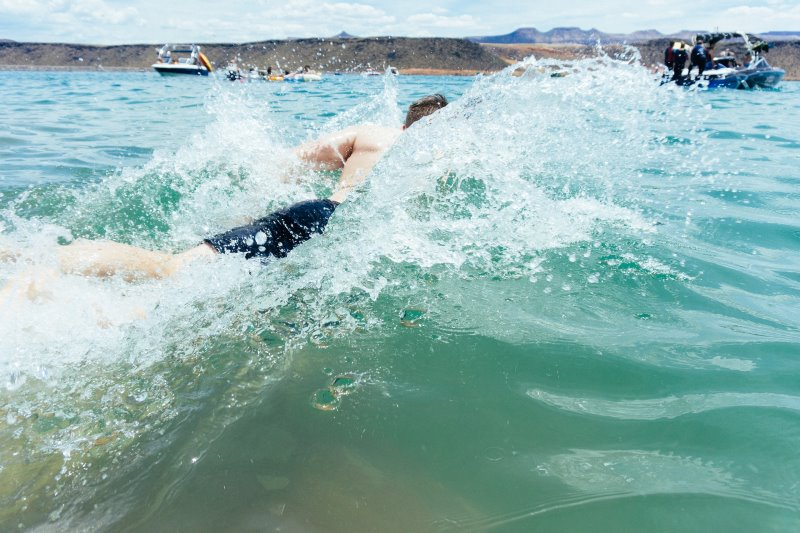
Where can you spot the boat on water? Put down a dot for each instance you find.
(182, 59)
(754, 72)
(234, 73)
(304, 74)
(372, 72)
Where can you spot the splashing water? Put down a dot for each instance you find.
(557, 218)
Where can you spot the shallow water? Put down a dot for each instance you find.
(567, 303)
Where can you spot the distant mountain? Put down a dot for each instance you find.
(781, 35)
(593, 36)
(554, 36)
(643, 35)
(577, 36)
(7, 41)
(344, 35)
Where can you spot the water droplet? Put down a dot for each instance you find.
(411, 317)
(325, 400)
(343, 385)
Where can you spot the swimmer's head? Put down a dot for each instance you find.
(424, 107)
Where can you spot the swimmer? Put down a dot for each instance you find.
(354, 150)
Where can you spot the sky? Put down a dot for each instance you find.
(238, 21)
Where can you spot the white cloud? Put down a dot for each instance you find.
(441, 21)
(95, 10)
(781, 17)
(20, 7)
(99, 11)
(312, 13)
(64, 15)
(748, 11)
(301, 18)
(154, 21)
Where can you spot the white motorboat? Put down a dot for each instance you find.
(182, 59)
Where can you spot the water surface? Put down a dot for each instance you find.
(565, 303)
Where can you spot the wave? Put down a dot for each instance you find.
(556, 204)
(668, 407)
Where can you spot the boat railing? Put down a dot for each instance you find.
(758, 62)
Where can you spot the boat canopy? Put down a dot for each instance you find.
(753, 42)
(179, 49)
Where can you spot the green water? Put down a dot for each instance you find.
(567, 304)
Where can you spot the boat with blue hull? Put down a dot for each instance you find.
(754, 73)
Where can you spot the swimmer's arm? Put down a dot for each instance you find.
(329, 152)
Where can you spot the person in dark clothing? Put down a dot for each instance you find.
(699, 58)
(669, 58)
(680, 57)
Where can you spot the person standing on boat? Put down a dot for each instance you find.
(710, 64)
(669, 57)
(679, 56)
(699, 58)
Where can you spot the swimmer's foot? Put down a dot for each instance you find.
(32, 285)
(9, 256)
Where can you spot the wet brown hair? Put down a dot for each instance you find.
(424, 107)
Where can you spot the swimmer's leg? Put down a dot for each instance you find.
(30, 285)
(107, 258)
(34, 285)
(9, 256)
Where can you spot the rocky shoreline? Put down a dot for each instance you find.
(329, 55)
(412, 56)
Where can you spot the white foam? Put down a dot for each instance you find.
(511, 176)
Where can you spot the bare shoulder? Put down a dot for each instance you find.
(373, 137)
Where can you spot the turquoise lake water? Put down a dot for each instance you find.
(565, 303)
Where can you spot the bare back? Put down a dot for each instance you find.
(355, 150)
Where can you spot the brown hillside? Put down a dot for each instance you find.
(511, 53)
(410, 55)
(322, 54)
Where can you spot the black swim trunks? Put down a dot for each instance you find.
(276, 234)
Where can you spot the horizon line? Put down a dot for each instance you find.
(351, 36)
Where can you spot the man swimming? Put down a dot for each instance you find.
(354, 150)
